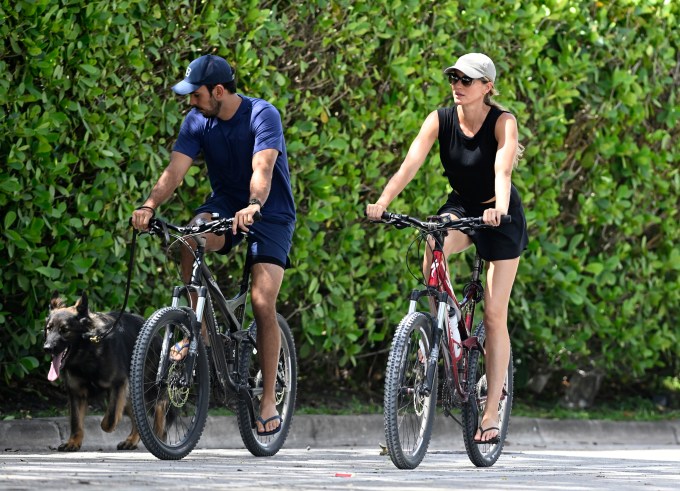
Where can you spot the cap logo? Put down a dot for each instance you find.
(188, 72)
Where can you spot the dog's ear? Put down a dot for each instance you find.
(81, 306)
(56, 302)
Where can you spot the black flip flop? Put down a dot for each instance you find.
(491, 441)
(264, 425)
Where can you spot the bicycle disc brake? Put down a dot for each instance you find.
(178, 392)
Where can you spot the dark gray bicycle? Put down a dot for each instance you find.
(170, 398)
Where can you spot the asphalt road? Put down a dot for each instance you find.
(333, 468)
(343, 452)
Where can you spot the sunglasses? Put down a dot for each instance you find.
(465, 80)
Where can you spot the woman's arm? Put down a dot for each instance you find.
(414, 159)
(506, 135)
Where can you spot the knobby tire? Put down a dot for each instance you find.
(286, 392)
(408, 414)
(484, 455)
(170, 414)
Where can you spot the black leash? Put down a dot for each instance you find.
(98, 338)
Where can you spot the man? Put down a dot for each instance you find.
(241, 139)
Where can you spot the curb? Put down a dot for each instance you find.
(321, 431)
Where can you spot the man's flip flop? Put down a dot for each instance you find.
(264, 422)
(491, 441)
(176, 351)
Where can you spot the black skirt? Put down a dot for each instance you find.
(507, 241)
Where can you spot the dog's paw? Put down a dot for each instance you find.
(69, 446)
(109, 424)
(127, 445)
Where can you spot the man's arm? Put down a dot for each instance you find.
(169, 181)
(260, 185)
(263, 168)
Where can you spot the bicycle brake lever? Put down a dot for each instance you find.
(166, 234)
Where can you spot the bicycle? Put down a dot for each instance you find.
(170, 398)
(421, 339)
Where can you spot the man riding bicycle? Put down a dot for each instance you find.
(241, 139)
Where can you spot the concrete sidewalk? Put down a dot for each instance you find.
(357, 431)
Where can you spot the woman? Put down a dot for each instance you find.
(478, 149)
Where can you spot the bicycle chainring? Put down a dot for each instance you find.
(450, 397)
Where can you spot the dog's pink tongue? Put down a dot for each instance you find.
(54, 368)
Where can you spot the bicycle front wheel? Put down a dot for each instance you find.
(285, 391)
(170, 406)
(484, 455)
(409, 414)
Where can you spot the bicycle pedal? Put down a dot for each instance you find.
(242, 335)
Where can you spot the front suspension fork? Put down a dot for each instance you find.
(437, 331)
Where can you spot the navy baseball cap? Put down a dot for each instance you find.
(206, 70)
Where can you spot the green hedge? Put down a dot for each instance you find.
(89, 120)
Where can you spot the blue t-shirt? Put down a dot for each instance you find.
(228, 148)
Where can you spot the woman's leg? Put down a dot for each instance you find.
(455, 242)
(499, 280)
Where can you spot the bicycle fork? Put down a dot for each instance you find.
(438, 324)
(195, 322)
(437, 330)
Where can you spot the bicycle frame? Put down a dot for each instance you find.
(209, 295)
(439, 288)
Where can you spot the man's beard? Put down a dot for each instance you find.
(213, 110)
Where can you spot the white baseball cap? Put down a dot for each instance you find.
(475, 65)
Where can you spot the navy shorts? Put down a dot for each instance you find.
(507, 241)
(269, 240)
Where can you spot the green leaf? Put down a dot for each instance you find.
(10, 216)
(594, 268)
(51, 273)
(90, 70)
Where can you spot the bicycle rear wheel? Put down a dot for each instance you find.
(484, 455)
(285, 389)
(170, 408)
(409, 414)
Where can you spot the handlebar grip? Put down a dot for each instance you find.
(257, 216)
(506, 219)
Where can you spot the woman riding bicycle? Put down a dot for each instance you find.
(478, 149)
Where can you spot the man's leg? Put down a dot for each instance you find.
(213, 243)
(267, 279)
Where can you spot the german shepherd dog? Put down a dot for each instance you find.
(92, 369)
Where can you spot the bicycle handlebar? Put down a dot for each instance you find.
(438, 223)
(218, 226)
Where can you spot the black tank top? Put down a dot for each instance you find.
(469, 161)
